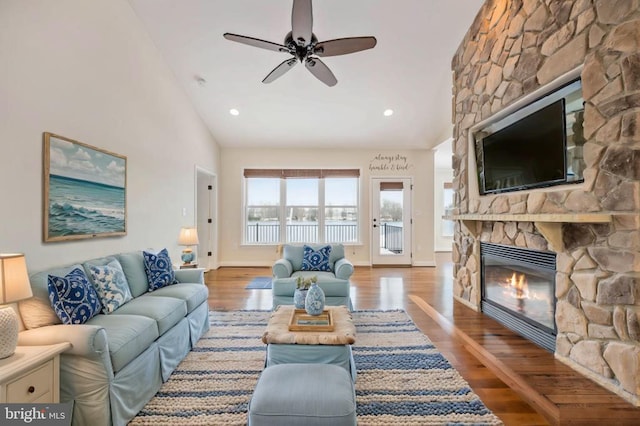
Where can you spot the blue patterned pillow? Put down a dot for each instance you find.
(111, 284)
(159, 269)
(72, 297)
(316, 260)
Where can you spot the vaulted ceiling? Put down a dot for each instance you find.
(409, 71)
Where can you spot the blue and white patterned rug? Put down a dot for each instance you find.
(402, 378)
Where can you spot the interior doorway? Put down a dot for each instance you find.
(391, 221)
(206, 195)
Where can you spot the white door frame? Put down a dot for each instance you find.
(378, 257)
(206, 217)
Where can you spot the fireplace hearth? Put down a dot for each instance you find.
(518, 290)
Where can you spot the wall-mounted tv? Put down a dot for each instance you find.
(532, 148)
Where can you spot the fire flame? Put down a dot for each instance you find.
(519, 287)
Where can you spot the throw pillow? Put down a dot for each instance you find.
(316, 260)
(159, 269)
(72, 297)
(111, 284)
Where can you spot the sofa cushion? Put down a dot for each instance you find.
(166, 311)
(316, 260)
(193, 294)
(133, 266)
(111, 285)
(128, 336)
(331, 285)
(158, 268)
(73, 298)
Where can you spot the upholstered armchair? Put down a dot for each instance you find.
(329, 265)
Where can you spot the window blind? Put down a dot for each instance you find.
(300, 173)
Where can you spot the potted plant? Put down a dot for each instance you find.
(302, 286)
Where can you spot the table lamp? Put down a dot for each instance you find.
(188, 237)
(14, 286)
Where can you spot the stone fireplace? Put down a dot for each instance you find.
(515, 51)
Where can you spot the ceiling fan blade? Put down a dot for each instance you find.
(321, 71)
(280, 70)
(302, 22)
(256, 42)
(342, 46)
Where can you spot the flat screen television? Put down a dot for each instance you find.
(528, 153)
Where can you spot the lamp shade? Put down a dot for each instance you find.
(14, 278)
(188, 237)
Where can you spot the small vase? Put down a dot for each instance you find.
(314, 302)
(299, 297)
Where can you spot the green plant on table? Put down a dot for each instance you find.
(305, 283)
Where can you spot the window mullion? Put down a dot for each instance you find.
(283, 210)
(321, 216)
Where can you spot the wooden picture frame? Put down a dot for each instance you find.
(84, 191)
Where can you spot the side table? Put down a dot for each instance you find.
(32, 374)
(189, 266)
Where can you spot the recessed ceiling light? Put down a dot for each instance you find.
(388, 112)
(234, 111)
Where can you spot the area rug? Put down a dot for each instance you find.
(402, 378)
(259, 283)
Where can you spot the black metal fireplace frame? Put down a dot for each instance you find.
(538, 333)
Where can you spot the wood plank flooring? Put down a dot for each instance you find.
(520, 382)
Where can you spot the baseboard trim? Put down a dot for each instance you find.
(246, 264)
(425, 263)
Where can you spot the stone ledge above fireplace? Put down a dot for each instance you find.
(548, 224)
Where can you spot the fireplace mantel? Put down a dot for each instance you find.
(549, 224)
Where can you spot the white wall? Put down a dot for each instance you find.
(419, 166)
(88, 71)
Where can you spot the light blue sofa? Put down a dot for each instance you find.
(335, 284)
(118, 361)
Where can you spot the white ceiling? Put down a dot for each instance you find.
(408, 71)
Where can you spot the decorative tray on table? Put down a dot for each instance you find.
(302, 321)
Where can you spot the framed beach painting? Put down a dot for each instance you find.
(85, 192)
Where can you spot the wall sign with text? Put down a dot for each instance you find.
(389, 163)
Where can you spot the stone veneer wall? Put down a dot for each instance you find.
(513, 48)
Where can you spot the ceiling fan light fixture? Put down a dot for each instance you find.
(234, 112)
(301, 43)
(388, 112)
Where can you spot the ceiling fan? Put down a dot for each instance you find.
(303, 45)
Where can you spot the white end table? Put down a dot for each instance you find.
(32, 374)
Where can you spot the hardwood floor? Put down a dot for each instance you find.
(520, 382)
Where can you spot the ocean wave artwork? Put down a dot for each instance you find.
(83, 207)
(86, 191)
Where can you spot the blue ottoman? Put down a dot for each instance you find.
(303, 394)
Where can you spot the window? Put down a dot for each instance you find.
(263, 210)
(301, 205)
(302, 210)
(341, 210)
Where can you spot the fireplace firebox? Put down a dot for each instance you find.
(518, 290)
